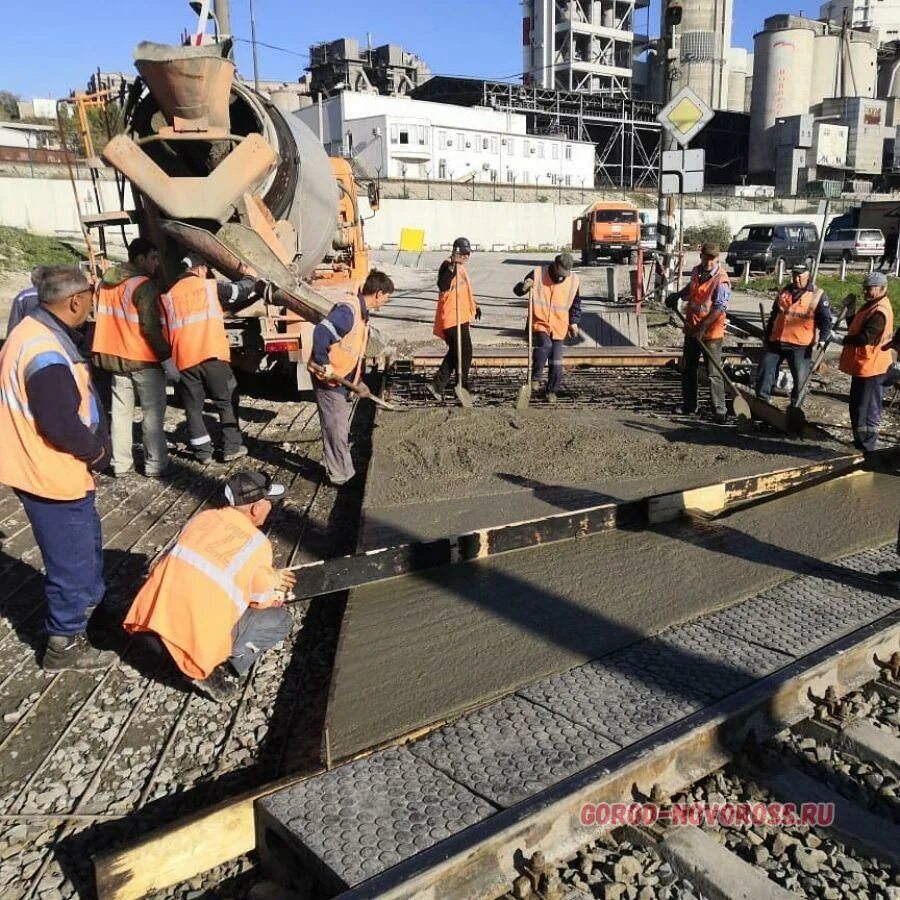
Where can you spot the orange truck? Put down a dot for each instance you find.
(608, 228)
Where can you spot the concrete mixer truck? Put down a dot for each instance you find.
(215, 167)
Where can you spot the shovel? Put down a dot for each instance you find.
(796, 418)
(354, 388)
(524, 397)
(464, 397)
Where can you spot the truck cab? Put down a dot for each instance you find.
(608, 229)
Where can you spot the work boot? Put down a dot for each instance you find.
(73, 653)
(552, 399)
(435, 390)
(232, 455)
(535, 386)
(219, 686)
(720, 418)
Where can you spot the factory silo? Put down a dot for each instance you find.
(737, 79)
(825, 77)
(861, 76)
(705, 35)
(782, 69)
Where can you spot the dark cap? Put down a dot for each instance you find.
(564, 263)
(244, 488)
(710, 248)
(462, 245)
(192, 260)
(800, 269)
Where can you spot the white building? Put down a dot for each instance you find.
(38, 108)
(881, 14)
(24, 134)
(396, 137)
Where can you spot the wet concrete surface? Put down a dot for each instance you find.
(420, 649)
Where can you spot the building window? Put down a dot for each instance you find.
(442, 168)
(568, 151)
(393, 134)
(540, 147)
(526, 145)
(495, 145)
(511, 146)
(568, 181)
(442, 139)
(555, 150)
(404, 135)
(524, 178)
(478, 143)
(510, 176)
(423, 135)
(460, 141)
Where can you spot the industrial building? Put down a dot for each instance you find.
(704, 42)
(344, 65)
(585, 45)
(883, 15)
(399, 137)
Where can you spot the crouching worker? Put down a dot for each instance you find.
(214, 598)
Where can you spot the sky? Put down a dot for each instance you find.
(52, 46)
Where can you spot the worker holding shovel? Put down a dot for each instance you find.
(456, 308)
(555, 298)
(707, 295)
(339, 349)
(800, 311)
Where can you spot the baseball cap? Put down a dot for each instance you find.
(800, 269)
(564, 262)
(244, 488)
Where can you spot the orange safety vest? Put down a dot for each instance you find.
(795, 322)
(347, 354)
(195, 325)
(220, 566)
(118, 331)
(27, 460)
(551, 302)
(700, 302)
(445, 314)
(864, 362)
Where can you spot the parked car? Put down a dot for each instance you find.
(853, 244)
(765, 244)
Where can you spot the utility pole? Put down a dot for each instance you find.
(223, 17)
(253, 42)
(665, 223)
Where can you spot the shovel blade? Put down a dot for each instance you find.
(524, 397)
(741, 406)
(796, 420)
(464, 397)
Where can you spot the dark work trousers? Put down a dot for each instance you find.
(68, 533)
(798, 360)
(691, 357)
(214, 379)
(256, 631)
(544, 348)
(866, 397)
(448, 366)
(334, 420)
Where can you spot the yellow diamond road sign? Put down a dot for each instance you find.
(685, 116)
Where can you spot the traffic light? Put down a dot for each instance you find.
(673, 13)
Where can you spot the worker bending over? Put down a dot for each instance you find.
(555, 297)
(866, 357)
(214, 598)
(129, 342)
(798, 313)
(52, 438)
(26, 301)
(339, 350)
(707, 295)
(195, 327)
(454, 292)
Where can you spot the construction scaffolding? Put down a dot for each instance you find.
(624, 130)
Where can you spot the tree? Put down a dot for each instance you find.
(9, 106)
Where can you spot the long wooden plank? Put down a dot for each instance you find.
(341, 573)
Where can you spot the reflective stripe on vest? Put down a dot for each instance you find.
(796, 319)
(222, 578)
(700, 299)
(117, 332)
(346, 355)
(549, 316)
(870, 360)
(445, 314)
(194, 321)
(28, 461)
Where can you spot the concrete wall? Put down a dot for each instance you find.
(511, 224)
(47, 205)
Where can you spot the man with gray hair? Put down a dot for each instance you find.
(54, 438)
(26, 301)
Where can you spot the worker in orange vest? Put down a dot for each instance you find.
(454, 285)
(339, 349)
(707, 295)
(195, 326)
(214, 598)
(555, 313)
(798, 314)
(53, 437)
(866, 357)
(129, 343)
